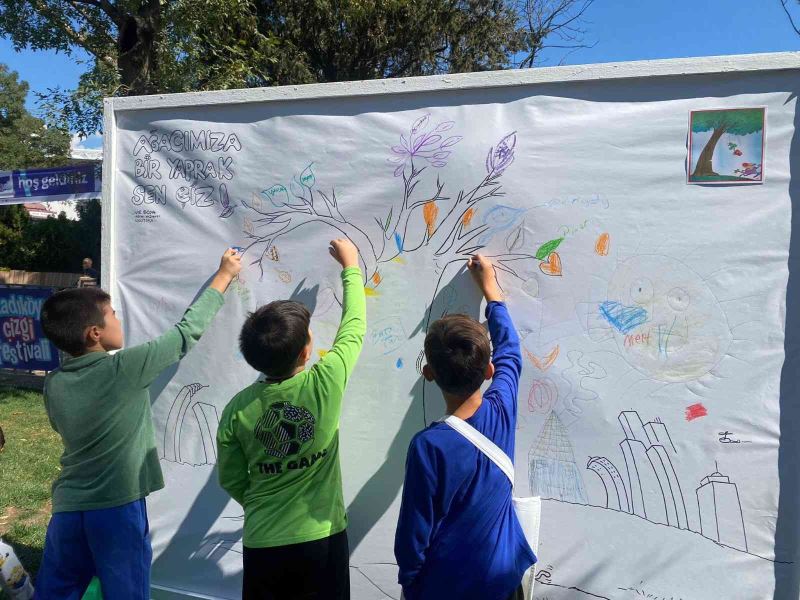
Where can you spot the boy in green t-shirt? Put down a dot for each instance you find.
(99, 403)
(278, 447)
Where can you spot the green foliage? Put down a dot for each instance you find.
(155, 46)
(139, 47)
(29, 245)
(548, 248)
(737, 122)
(25, 142)
(335, 40)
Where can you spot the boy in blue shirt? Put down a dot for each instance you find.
(458, 535)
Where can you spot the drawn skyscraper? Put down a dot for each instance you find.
(721, 511)
(670, 486)
(657, 433)
(553, 472)
(645, 490)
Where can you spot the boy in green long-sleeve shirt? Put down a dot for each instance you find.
(278, 447)
(99, 404)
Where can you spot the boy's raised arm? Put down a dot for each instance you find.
(506, 355)
(142, 364)
(337, 365)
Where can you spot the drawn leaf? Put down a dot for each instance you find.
(548, 248)
(516, 239)
(445, 126)
(467, 218)
(248, 226)
(429, 212)
(420, 123)
(451, 141)
(398, 241)
(388, 220)
(226, 213)
(277, 194)
(307, 178)
(224, 199)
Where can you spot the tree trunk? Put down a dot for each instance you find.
(137, 59)
(704, 167)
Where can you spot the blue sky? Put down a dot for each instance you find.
(622, 29)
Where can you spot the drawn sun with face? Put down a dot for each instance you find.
(665, 320)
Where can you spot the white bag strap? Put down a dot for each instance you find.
(484, 444)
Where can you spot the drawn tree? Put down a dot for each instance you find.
(281, 210)
(432, 227)
(735, 122)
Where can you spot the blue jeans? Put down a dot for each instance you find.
(112, 543)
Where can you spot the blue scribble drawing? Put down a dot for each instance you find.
(399, 363)
(623, 318)
(388, 335)
(499, 218)
(398, 240)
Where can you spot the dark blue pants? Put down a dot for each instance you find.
(112, 543)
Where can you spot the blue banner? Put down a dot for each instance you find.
(22, 342)
(79, 182)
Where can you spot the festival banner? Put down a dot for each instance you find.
(22, 342)
(78, 182)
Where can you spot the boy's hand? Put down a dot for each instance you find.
(483, 273)
(345, 252)
(229, 266)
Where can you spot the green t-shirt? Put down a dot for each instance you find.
(100, 405)
(278, 443)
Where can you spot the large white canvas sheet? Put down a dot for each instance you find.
(653, 336)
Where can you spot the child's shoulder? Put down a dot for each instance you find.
(437, 436)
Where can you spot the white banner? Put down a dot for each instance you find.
(651, 312)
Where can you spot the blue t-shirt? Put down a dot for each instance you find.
(458, 535)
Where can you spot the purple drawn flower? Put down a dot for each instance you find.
(501, 156)
(421, 144)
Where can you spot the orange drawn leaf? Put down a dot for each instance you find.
(546, 361)
(376, 278)
(601, 246)
(551, 266)
(467, 218)
(429, 212)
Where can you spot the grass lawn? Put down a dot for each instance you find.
(28, 463)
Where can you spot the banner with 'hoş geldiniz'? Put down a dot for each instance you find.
(78, 182)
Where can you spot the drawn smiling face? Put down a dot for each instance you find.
(666, 321)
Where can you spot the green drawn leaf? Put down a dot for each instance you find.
(548, 248)
(388, 220)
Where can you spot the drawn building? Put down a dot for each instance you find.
(721, 517)
(616, 495)
(648, 486)
(670, 487)
(657, 433)
(553, 472)
(646, 491)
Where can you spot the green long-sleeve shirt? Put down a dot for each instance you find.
(278, 443)
(100, 405)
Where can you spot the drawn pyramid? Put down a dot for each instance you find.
(552, 470)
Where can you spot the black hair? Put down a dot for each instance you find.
(458, 352)
(273, 337)
(67, 314)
